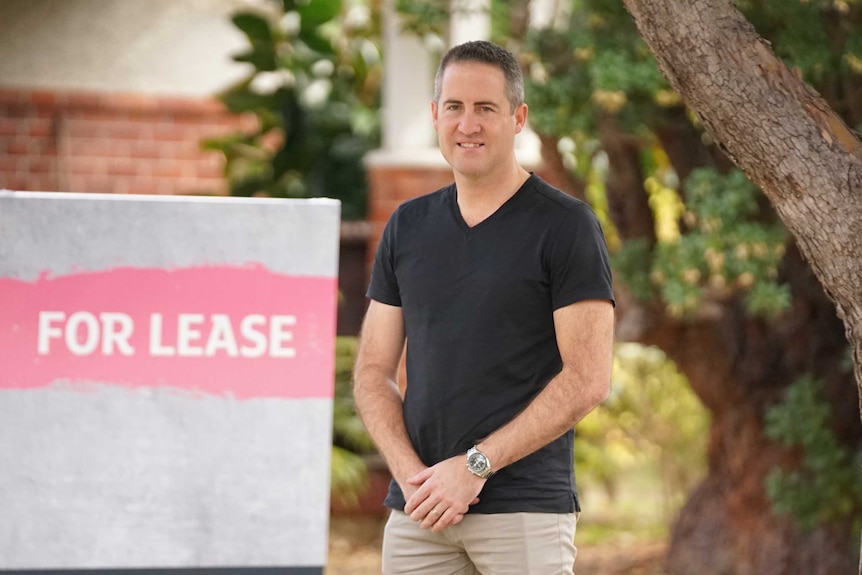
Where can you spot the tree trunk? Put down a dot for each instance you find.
(791, 144)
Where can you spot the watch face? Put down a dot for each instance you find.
(477, 462)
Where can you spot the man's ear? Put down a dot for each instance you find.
(434, 113)
(520, 118)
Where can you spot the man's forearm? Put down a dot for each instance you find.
(583, 383)
(380, 406)
(551, 414)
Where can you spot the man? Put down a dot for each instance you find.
(501, 287)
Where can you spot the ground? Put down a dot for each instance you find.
(354, 549)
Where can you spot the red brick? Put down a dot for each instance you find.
(121, 168)
(164, 187)
(91, 184)
(8, 163)
(20, 182)
(128, 101)
(10, 95)
(83, 100)
(79, 128)
(173, 170)
(42, 183)
(41, 128)
(9, 127)
(42, 98)
(144, 150)
(86, 147)
(139, 186)
(41, 146)
(83, 166)
(40, 164)
(17, 147)
(169, 132)
(91, 114)
(208, 171)
(129, 130)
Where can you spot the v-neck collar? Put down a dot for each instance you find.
(496, 214)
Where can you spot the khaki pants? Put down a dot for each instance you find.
(494, 544)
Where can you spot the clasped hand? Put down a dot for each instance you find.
(443, 493)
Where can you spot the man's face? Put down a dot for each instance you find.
(474, 120)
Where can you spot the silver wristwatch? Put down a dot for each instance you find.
(478, 463)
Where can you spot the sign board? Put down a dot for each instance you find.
(166, 383)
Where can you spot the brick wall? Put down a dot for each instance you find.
(114, 143)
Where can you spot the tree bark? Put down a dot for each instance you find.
(788, 141)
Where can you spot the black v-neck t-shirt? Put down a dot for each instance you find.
(478, 307)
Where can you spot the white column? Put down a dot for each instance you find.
(408, 86)
(470, 20)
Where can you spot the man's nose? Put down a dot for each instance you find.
(469, 123)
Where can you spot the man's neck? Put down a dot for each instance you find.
(479, 198)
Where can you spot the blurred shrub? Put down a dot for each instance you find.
(350, 441)
(652, 422)
(826, 486)
(314, 90)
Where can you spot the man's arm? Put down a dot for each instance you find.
(585, 338)
(585, 333)
(375, 390)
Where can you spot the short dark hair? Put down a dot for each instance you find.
(485, 53)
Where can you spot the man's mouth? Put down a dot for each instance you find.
(470, 145)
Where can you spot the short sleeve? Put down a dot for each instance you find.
(383, 286)
(578, 262)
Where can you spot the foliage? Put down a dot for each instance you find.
(652, 419)
(424, 18)
(820, 37)
(825, 488)
(716, 236)
(350, 440)
(314, 91)
(726, 248)
(589, 63)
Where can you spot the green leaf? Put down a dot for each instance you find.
(261, 57)
(254, 26)
(825, 487)
(244, 100)
(315, 42)
(319, 12)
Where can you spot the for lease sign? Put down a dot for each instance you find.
(166, 383)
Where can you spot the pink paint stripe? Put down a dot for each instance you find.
(240, 331)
